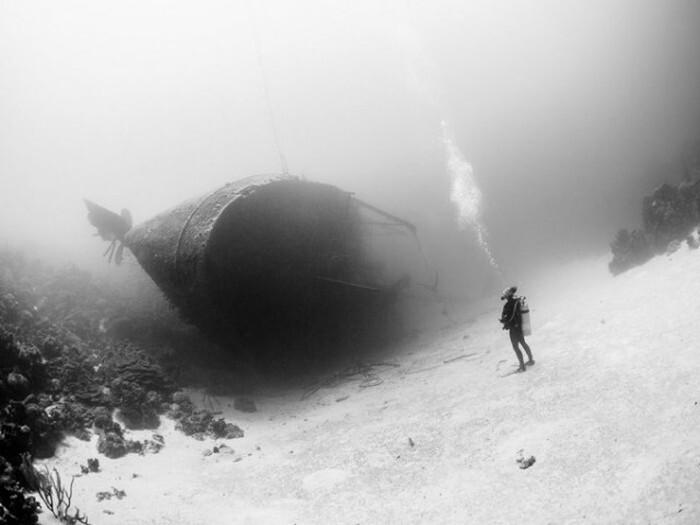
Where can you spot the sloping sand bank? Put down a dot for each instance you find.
(610, 412)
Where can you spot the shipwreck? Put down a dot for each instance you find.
(272, 260)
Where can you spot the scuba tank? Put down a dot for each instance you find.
(525, 316)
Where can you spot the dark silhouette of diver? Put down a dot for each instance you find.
(511, 318)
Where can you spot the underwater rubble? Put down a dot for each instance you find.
(60, 375)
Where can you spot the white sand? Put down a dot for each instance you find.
(609, 411)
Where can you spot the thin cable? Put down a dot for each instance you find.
(263, 75)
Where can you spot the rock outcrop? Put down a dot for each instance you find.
(60, 374)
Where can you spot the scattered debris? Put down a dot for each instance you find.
(219, 448)
(523, 461)
(463, 356)
(93, 465)
(153, 445)
(526, 463)
(115, 493)
(426, 369)
(367, 371)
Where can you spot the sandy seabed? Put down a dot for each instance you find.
(610, 412)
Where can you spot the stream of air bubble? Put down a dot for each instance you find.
(465, 193)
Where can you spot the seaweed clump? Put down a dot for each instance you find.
(56, 496)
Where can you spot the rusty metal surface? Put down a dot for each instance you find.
(171, 246)
(276, 262)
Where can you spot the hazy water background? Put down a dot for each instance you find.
(568, 112)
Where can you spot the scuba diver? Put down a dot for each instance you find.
(512, 319)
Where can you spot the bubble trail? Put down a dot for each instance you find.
(465, 194)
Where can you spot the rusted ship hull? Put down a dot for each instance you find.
(268, 259)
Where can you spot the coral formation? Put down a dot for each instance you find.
(93, 465)
(62, 372)
(137, 385)
(200, 423)
(629, 249)
(670, 215)
(15, 507)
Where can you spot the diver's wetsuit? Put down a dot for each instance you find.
(512, 320)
